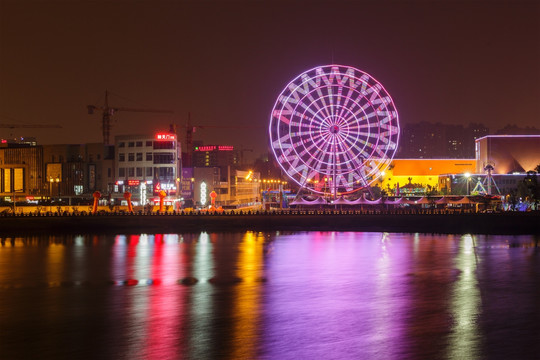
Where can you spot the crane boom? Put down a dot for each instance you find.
(29, 126)
(108, 111)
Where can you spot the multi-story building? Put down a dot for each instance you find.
(64, 170)
(21, 170)
(77, 169)
(147, 164)
(234, 189)
(220, 156)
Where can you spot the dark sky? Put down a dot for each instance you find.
(226, 62)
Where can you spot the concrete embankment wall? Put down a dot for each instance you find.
(496, 223)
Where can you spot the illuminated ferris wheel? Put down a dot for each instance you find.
(334, 129)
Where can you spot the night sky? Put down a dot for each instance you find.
(226, 62)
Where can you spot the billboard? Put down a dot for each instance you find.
(187, 183)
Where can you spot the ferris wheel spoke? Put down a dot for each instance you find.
(361, 152)
(348, 98)
(349, 159)
(339, 96)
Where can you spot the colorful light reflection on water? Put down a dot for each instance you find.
(270, 296)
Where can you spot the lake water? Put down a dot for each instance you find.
(304, 295)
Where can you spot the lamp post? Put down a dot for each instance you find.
(51, 180)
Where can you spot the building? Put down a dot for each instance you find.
(240, 188)
(508, 153)
(21, 171)
(99, 159)
(147, 164)
(422, 173)
(220, 156)
(77, 169)
(64, 170)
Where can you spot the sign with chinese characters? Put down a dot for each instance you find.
(187, 183)
(133, 182)
(166, 137)
(169, 188)
(214, 147)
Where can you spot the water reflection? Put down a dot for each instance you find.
(247, 297)
(465, 304)
(270, 295)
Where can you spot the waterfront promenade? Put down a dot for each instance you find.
(511, 223)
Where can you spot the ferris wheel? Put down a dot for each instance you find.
(334, 129)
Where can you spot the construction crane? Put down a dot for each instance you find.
(29, 126)
(108, 111)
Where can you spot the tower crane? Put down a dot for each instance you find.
(29, 126)
(108, 111)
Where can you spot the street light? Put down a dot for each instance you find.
(51, 181)
(468, 178)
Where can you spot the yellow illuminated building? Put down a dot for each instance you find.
(424, 172)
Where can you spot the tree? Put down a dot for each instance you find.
(513, 199)
(431, 191)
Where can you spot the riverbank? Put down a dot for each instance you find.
(512, 223)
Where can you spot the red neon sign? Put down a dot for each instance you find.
(133, 182)
(165, 137)
(213, 147)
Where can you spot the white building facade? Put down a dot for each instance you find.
(146, 164)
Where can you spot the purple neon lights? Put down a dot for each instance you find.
(337, 123)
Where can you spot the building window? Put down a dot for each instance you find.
(148, 142)
(109, 172)
(148, 156)
(165, 173)
(122, 144)
(163, 144)
(139, 172)
(138, 144)
(149, 172)
(164, 158)
(131, 172)
(131, 157)
(121, 172)
(131, 144)
(121, 157)
(139, 156)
